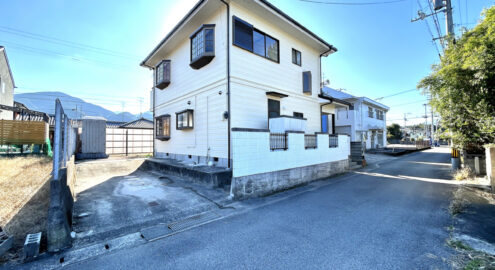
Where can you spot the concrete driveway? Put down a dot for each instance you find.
(393, 216)
(117, 197)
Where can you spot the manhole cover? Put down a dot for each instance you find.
(153, 203)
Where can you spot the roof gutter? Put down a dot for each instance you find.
(175, 29)
(335, 100)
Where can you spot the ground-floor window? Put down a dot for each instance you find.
(162, 129)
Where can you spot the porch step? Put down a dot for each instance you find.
(211, 176)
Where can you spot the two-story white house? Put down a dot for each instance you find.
(6, 86)
(237, 85)
(364, 120)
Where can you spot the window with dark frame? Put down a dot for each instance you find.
(298, 115)
(255, 41)
(296, 57)
(202, 46)
(162, 74)
(273, 108)
(184, 119)
(162, 131)
(307, 82)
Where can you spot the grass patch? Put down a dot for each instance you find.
(24, 198)
(459, 245)
(464, 174)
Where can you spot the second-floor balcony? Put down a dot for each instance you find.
(283, 123)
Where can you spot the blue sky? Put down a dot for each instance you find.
(380, 51)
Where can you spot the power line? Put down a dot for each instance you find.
(431, 33)
(396, 94)
(353, 4)
(437, 24)
(45, 94)
(64, 42)
(34, 50)
(407, 103)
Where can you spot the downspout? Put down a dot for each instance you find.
(228, 83)
(321, 91)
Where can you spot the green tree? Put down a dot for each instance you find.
(462, 86)
(394, 132)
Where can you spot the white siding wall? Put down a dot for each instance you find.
(253, 76)
(201, 88)
(252, 154)
(6, 88)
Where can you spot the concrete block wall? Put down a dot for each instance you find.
(490, 165)
(259, 171)
(252, 154)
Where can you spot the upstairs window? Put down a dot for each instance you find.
(202, 46)
(162, 74)
(184, 119)
(307, 82)
(298, 115)
(162, 131)
(296, 57)
(370, 112)
(255, 41)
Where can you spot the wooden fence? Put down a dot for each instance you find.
(22, 132)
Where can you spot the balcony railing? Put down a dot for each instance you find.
(310, 141)
(278, 141)
(333, 140)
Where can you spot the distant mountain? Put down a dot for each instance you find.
(45, 102)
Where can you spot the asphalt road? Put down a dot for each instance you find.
(389, 217)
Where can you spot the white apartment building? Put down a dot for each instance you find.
(237, 85)
(364, 120)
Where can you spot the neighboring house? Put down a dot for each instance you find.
(7, 86)
(229, 76)
(364, 121)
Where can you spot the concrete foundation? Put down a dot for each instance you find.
(267, 183)
(219, 162)
(210, 176)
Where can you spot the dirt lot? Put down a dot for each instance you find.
(24, 198)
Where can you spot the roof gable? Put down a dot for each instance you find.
(2, 49)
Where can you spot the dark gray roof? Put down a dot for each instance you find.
(140, 123)
(114, 124)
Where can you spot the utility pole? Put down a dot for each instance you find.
(449, 21)
(432, 125)
(426, 122)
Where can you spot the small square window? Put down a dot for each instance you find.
(296, 57)
(184, 119)
(162, 131)
(307, 82)
(298, 115)
(162, 74)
